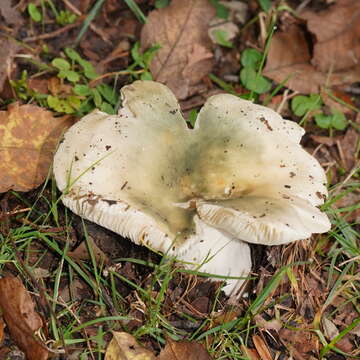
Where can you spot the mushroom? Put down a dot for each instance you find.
(240, 176)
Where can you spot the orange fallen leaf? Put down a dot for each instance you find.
(183, 350)
(28, 138)
(21, 318)
(185, 55)
(124, 346)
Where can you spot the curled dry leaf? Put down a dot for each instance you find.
(261, 348)
(183, 350)
(10, 13)
(8, 50)
(21, 318)
(28, 138)
(289, 58)
(185, 55)
(337, 31)
(124, 346)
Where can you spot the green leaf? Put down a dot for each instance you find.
(221, 11)
(72, 54)
(97, 97)
(301, 104)
(253, 81)
(89, 70)
(159, 4)
(265, 4)
(59, 105)
(82, 90)
(146, 75)
(108, 93)
(72, 76)
(65, 17)
(34, 12)
(74, 101)
(251, 58)
(338, 120)
(221, 37)
(60, 64)
(148, 55)
(192, 117)
(323, 121)
(135, 54)
(106, 107)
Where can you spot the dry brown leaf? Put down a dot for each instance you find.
(348, 146)
(252, 354)
(300, 342)
(261, 348)
(2, 326)
(124, 346)
(330, 329)
(289, 56)
(273, 324)
(21, 318)
(8, 50)
(82, 252)
(185, 56)
(28, 137)
(183, 350)
(10, 14)
(337, 31)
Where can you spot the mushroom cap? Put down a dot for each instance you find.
(240, 174)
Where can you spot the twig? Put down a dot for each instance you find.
(52, 34)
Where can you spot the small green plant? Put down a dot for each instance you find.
(222, 38)
(65, 71)
(142, 60)
(336, 120)
(34, 13)
(82, 98)
(301, 104)
(23, 92)
(65, 17)
(265, 5)
(249, 75)
(77, 71)
(221, 11)
(62, 17)
(192, 117)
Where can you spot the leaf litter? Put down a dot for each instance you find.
(28, 138)
(299, 298)
(185, 56)
(336, 54)
(18, 310)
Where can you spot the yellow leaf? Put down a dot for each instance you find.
(124, 346)
(28, 138)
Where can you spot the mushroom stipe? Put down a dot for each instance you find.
(201, 195)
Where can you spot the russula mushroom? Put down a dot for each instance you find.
(198, 194)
